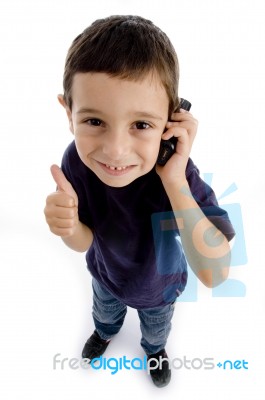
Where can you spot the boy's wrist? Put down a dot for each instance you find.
(81, 239)
(178, 185)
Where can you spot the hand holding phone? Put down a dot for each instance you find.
(168, 147)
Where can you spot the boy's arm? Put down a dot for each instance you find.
(206, 248)
(61, 214)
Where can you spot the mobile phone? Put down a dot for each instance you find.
(168, 147)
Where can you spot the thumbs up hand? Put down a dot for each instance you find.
(61, 211)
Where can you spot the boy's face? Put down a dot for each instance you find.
(117, 124)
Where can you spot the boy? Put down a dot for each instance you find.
(120, 91)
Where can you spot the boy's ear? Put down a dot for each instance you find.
(68, 111)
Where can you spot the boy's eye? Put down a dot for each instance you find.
(142, 125)
(94, 122)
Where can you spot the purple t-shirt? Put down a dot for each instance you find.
(136, 253)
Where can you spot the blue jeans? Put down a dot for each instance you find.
(109, 313)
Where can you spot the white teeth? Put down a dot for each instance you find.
(115, 168)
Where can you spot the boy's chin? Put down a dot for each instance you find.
(118, 182)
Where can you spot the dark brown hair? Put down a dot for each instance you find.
(125, 46)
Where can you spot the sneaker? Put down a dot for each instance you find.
(94, 347)
(160, 376)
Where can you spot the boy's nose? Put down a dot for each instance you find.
(116, 146)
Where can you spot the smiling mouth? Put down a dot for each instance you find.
(116, 170)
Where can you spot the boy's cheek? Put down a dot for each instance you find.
(71, 126)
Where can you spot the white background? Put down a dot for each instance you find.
(45, 294)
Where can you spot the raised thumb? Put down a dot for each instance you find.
(63, 185)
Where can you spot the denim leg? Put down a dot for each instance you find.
(108, 312)
(155, 324)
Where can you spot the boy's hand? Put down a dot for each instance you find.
(61, 209)
(184, 127)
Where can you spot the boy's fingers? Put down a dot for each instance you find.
(63, 184)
